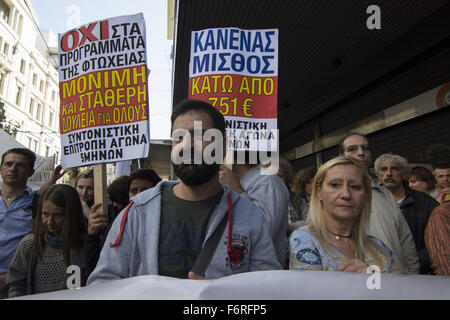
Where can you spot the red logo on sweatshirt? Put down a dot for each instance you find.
(239, 249)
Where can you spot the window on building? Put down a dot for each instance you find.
(20, 26)
(32, 144)
(14, 20)
(47, 151)
(31, 106)
(50, 120)
(34, 79)
(4, 11)
(53, 95)
(2, 82)
(38, 112)
(23, 65)
(41, 85)
(6, 47)
(19, 95)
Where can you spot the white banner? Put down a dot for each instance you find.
(266, 285)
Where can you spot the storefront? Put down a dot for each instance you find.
(336, 73)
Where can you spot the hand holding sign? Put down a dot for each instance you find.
(97, 219)
(229, 178)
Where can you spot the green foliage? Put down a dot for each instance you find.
(7, 126)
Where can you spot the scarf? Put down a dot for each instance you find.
(52, 240)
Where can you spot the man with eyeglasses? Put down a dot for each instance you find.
(386, 221)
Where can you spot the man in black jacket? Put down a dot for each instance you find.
(416, 206)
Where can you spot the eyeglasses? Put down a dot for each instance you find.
(354, 148)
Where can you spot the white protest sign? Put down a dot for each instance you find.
(236, 71)
(104, 92)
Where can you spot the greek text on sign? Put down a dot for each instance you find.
(236, 71)
(103, 87)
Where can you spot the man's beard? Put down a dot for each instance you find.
(195, 174)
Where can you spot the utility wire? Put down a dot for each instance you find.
(27, 131)
(42, 36)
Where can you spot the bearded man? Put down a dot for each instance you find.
(163, 231)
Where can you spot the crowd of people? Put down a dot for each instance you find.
(219, 220)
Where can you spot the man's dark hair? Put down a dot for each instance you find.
(198, 105)
(442, 166)
(288, 170)
(23, 151)
(118, 190)
(144, 174)
(341, 142)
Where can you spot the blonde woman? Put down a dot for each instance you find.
(335, 237)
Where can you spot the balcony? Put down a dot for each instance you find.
(6, 64)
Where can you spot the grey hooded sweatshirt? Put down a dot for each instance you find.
(137, 251)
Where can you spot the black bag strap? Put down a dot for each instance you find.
(30, 274)
(205, 255)
(34, 204)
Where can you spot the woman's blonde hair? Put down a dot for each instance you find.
(317, 216)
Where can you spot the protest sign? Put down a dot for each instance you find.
(236, 71)
(104, 92)
(43, 169)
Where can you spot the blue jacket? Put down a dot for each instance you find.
(137, 252)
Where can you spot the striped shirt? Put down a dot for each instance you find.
(437, 239)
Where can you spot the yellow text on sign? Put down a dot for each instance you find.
(228, 106)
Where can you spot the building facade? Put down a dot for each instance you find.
(29, 78)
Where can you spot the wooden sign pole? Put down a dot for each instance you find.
(229, 159)
(228, 155)
(100, 186)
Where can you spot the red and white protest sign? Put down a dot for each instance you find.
(236, 71)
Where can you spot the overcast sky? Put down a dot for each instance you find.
(62, 15)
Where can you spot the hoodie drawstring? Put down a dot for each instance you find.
(122, 226)
(230, 222)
